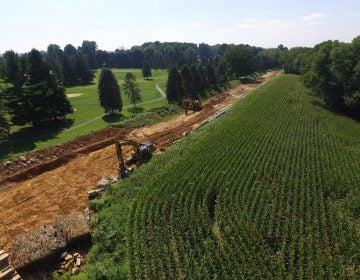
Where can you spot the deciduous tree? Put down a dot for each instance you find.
(239, 61)
(132, 89)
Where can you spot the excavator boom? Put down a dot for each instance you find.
(142, 152)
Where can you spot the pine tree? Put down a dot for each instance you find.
(83, 71)
(196, 82)
(4, 125)
(187, 79)
(40, 99)
(69, 72)
(174, 88)
(204, 84)
(109, 92)
(132, 89)
(211, 77)
(146, 71)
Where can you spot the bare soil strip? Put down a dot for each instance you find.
(63, 175)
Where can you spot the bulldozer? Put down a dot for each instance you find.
(190, 104)
(141, 153)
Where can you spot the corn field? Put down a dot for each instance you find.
(268, 191)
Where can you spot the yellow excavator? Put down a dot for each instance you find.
(141, 153)
(190, 104)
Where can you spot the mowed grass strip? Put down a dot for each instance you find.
(265, 192)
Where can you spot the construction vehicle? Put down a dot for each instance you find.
(142, 152)
(190, 104)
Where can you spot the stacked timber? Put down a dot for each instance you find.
(7, 272)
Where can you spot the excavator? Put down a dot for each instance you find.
(190, 104)
(142, 152)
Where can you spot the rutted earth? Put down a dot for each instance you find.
(42, 186)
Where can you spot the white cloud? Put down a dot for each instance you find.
(250, 20)
(352, 14)
(274, 24)
(195, 24)
(278, 24)
(225, 30)
(246, 25)
(314, 19)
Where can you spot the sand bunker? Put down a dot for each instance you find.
(71, 95)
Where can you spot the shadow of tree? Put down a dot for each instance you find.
(24, 139)
(114, 118)
(136, 110)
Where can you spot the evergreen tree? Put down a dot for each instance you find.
(174, 88)
(70, 51)
(205, 52)
(187, 79)
(88, 48)
(132, 89)
(190, 55)
(211, 77)
(83, 72)
(204, 85)
(4, 125)
(11, 71)
(40, 99)
(196, 81)
(146, 71)
(69, 72)
(109, 92)
(54, 56)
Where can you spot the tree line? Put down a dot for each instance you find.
(214, 72)
(332, 71)
(36, 81)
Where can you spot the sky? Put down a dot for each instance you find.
(27, 24)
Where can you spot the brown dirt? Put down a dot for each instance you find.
(71, 173)
(49, 158)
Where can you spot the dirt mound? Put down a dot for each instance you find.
(47, 241)
(37, 162)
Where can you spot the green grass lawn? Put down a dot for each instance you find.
(87, 105)
(86, 108)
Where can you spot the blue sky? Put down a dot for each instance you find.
(113, 24)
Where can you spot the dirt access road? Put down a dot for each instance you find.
(60, 189)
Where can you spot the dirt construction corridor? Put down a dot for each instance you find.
(42, 186)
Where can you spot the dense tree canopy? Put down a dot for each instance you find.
(332, 71)
(109, 92)
(239, 61)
